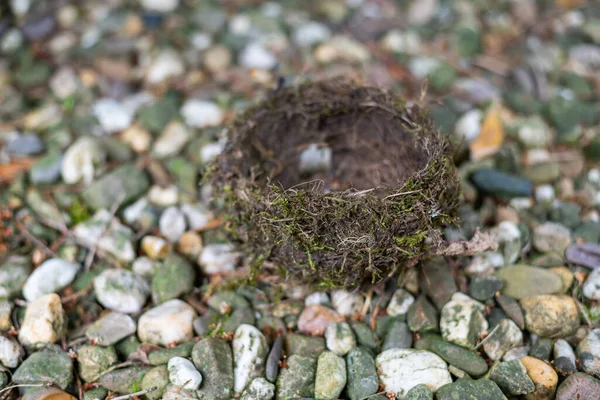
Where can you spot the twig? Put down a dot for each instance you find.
(106, 371)
(35, 240)
(76, 295)
(132, 395)
(89, 259)
(6, 389)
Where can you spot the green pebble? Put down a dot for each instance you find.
(174, 279)
(163, 356)
(157, 377)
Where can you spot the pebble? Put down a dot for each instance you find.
(172, 224)
(463, 389)
(174, 279)
(172, 140)
(298, 378)
(82, 161)
(401, 369)
(330, 377)
(273, 360)
(183, 373)
(437, 282)
(578, 386)
(256, 56)
(64, 82)
(543, 376)
(49, 277)
(51, 365)
(5, 315)
(422, 316)
(362, 380)
(398, 336)
(47, 169)
(512, 309)
(467, 360)
(399, 303)
(170, 322)
(550, 315)
(310, 34)
(197, 215)
(347, 303)
(509, 241)
(10, 352)
(250, 352)
(155, 248)
(259, 389)
(588, 351)
(201, 113)
(190, 244)
(522, 281)
(13, 275)
(468, 125)
(123, 184)
(217, 258)
(311, 346)
(92, 361)
(45, 322)
(315, 159)
(462, 321)
(534, 132)
(565, 361)
(25, 145)
(162, 356)
(163, 6)
(315, 319)
(512, 378)
(124, 380)
(157, 377)
(216, 58)
(501, 184)
(111, 328)
(483, 288)
(551, 237)
(121, 290)
(111, 114)
(591, 287)
(504, 337)
(165, 65)
(174, 392)
(406, 42)
(340, 338)
(214, 359)
(163, 196)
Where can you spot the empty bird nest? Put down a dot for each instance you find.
(335, 183)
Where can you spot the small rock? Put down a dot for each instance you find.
(591, 287)
(157, 377)
(256, 56)
(541, 348)
(138, 138)
(250, 351)
(45, 322)
(316, 318)
(92, 361)
(174, 392)
(170, 322)
(259, 389)
(330, 377)
(362, 380)
(399, 303)
(108, 234)
(565, 361)
(201, 113)
(125, 184)
(163, 6)
(64, 82)
(155, 247)
(311, 346)
(121, 290)
(544, 378)
(420, 392)
(482, 389)
(165, 65)
(5, 315)
(534, 132)
(347, 303)
(512, 378)
(588, 351)
(509, 241)
(505, 336)
(437, 282)
(401, 369)
(545, 194)
(501, 184)
(13, 275)
(162, 356)
(468, 125)
(460, 357)
(462, 321)
(421, 12)
(366, 337)
(407, 42)
(173, 139)
(551, 237)
(50, 366)
(25, 145)
(124, 380)
(111, 114)
(216, 258)
(172, 224)
(111, 328)
(82, 161)
(183, 373)
(273, 360)
(578, 386)
(174, 279)
(317, 298)
(50, 277)
(516, 353)
(197, 215)
(512, 309)
(163, 197)
(216, 58)
(214, 359)
(483, 288)
(298, 378)
(521, 281)
(422, 316)
(315, 159)
(98, 393)
(398, 336)
(10, 352)
(340, 338)
(550, 315)
(46, 169)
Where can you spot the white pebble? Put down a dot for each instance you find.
(315, 159)
(45, 322)
(50, 277)
(218, 257)
(347, 303)
(111, 114)
(165, 65)
(255, 56)
(172, 224)
(316, 298)
(468, 125)
(82, 160)
(121, 290)
(544, 194)
(183, 373)
(163, 196)
(10, 352)
(170, 322)
(400, 303)
(201, 113)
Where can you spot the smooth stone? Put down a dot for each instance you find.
(259, 389)
(544, 378)
(340, 338)
(578, 386)
(315, 319)
(315, 159)
(347, 303)
(250, 352)
(255, 56)
(512, 378)
(163, 356)
(331, 376)
(401, 369)
(505, 336)
(155, 248)
(551, 315)
(463, 389)
(145, 267)
(49, 366)
(174, 392)
(157, 377)
(124, 380)
(183, 373)
(591, 287)
(173, 279)
(226, 301)
(217, 258)
(522, 281)
(298, 378)
(311, 33)
(512, 309)
(128, 346)
(92, 361)
(125, 183)
(437, 282)
(121, 290)
(566, 276)
(273, 360)
(13, 275)
(25, 145)
(466, 360)
(565, 362)
(483, 288)
(501, 184)
(551, 237)
(170, 322)
(108, 234)
(542, 348)
(311, 346)
(238, 317)
(45, 322)
(172, 140)
(588, 351)
(422, 316)
(509, 241)
(10, 352)
(201, 113)
(468, 125)
(419, 392)
(398, 336)
(364, 335)
(362, 380)
(164, 65)
(112, 115)
(46, 169)
(399, 303)
(82, 160)
(172, 224)
(462, 321)
(98, 393)
(111, 328)
(49, 277)
(213, 358)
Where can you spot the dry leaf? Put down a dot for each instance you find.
(570, 3)
(478, 244)
(490, 138)
(10, 171)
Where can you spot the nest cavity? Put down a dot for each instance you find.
(335, 183)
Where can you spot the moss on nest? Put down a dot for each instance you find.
(390, 186)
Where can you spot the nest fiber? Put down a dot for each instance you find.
(386, 187)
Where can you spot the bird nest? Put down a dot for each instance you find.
(335, 183)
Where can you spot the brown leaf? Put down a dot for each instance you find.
(491, 136)
(479, 243)
(10, 171)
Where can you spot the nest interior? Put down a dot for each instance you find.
(389, 185)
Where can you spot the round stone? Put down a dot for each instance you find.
(340, 338)
(183, 373)
(121, 290)
(50, 277)
(168, 323)
(551, 315)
